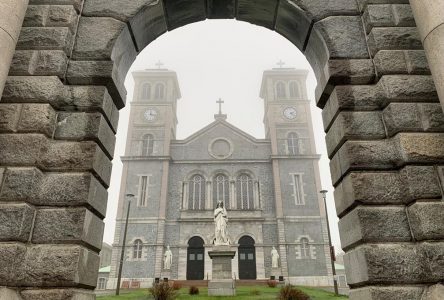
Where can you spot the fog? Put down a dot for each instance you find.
(219, 59)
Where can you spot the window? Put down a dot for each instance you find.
(143, 190)
(196, 198)
(293, 143)
(146, 91)
(221, 190)
(298, 192)
(147, 145)
(160, 91)
(305, 248)
(280, 90)
(244, 190)
(101, 284)
(137, 249)
(294, 90)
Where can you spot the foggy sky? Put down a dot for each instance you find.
(219, 59)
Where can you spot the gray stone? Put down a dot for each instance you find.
(39, 62)
(427, 220)
(45, 38)
(318, 10)
(221, 9)
(10, 117)
(9, 294)
(394, 38)
(38, 118)
(261, 12)
(384, 293)
(58, 294)
(434, 292)
(17, 220)
(183, 12)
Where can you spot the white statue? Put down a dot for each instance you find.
(220, 222)
(274, 258)
(167, 259)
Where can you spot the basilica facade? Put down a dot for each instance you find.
(270, 188)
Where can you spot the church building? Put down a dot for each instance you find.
(270, 188)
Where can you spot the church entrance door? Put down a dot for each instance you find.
(195, 259)
(247, 258)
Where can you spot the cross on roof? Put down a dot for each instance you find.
(220, 105)
(280, 63)
(159, 64)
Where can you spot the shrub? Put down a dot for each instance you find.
(163, 291)
(194, 290)
(255, 292)
(176, 285)
(289, 292)
(272, 283)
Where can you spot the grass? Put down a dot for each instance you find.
(243, 293)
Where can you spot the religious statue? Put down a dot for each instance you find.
(167, 259)
(220, 222)
(274, 258)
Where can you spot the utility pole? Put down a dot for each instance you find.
(332, 250)
(122, 253)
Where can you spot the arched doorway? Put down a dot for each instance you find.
(247, 258)
(195, 259)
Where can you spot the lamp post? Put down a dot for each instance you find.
(332, 251)
(122, 253)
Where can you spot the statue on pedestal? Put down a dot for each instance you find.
(167, 259)
(220, 222)
(274, 258)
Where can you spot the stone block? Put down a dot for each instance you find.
(36, 15)
(45, 38)
(39, 62)
(363, 3)
(60, 265)
(400, 117)
(385, 264)
(417, 62)
(378, 16)
(221, 287)
(391, 62)
(385, 293)
(148, 24)
(433, 117)
(293, 23)
(122, 11)
(393, 38)
(58, 294)
(38, 118)
(420, 147)
(9, 294)
(17, 221)
(20, 184)
(414, 178)
(12, 256)
(354, 125)
(68, 225)
(403, 15)
(75, 3)
(86, 126)
(414, 88)
(221, 9)
(76, 156)
(433, 255)
(434, 292)
(10, 117)
(73, 189)
(260, 12)
(50, 16)
(183, 12)
(318, 10)
(427, 220)
(374, 224)
(21, 149)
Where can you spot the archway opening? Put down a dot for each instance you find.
(195, 259)
(247, 258)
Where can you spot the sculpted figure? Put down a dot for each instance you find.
(274, 258)
(167, 259)
(220, 222)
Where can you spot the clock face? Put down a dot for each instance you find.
(290, 113)
(150, 114)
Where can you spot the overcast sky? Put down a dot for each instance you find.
(219, 59)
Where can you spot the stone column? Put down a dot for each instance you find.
(12, 13)
(430, 22)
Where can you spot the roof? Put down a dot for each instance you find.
(105, 269)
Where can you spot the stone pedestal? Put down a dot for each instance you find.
(222, 283)
(276, 272)
(166, 274)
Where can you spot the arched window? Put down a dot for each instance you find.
(244, 190)
(305, 248)
(159, 92)
(221, 190)
(147, 145)
(294, 90)
(293, 143)
(196, 198)
(280, 90)
(146, 91)
(137, 249)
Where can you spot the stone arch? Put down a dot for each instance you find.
(239, 236)
(380, 111)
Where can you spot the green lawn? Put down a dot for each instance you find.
(243, 293)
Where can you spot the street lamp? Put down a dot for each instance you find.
(332, 250)
(122, 253)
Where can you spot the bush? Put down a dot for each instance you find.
(289, 292)
(176, 285)
(272, 283)
(163, 291)
(194, 290)
(255, 292)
